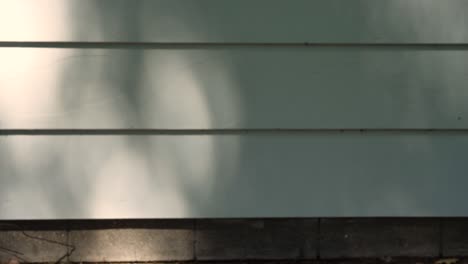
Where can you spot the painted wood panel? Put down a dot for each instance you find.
(250, 175)
(234, 88)
(341, 21)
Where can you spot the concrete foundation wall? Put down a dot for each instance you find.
(232, 239)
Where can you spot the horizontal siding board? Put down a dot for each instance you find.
(233, 88)
(338, 21)
(271, 175)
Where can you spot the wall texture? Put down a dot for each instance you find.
(246, 108)
(373, 240)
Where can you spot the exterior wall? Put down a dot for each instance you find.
(232, 109)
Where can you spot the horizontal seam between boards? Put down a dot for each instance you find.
(52, 132)
(188, 45)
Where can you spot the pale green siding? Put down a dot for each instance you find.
(216, 108)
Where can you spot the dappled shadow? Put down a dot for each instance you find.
(235, 87)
